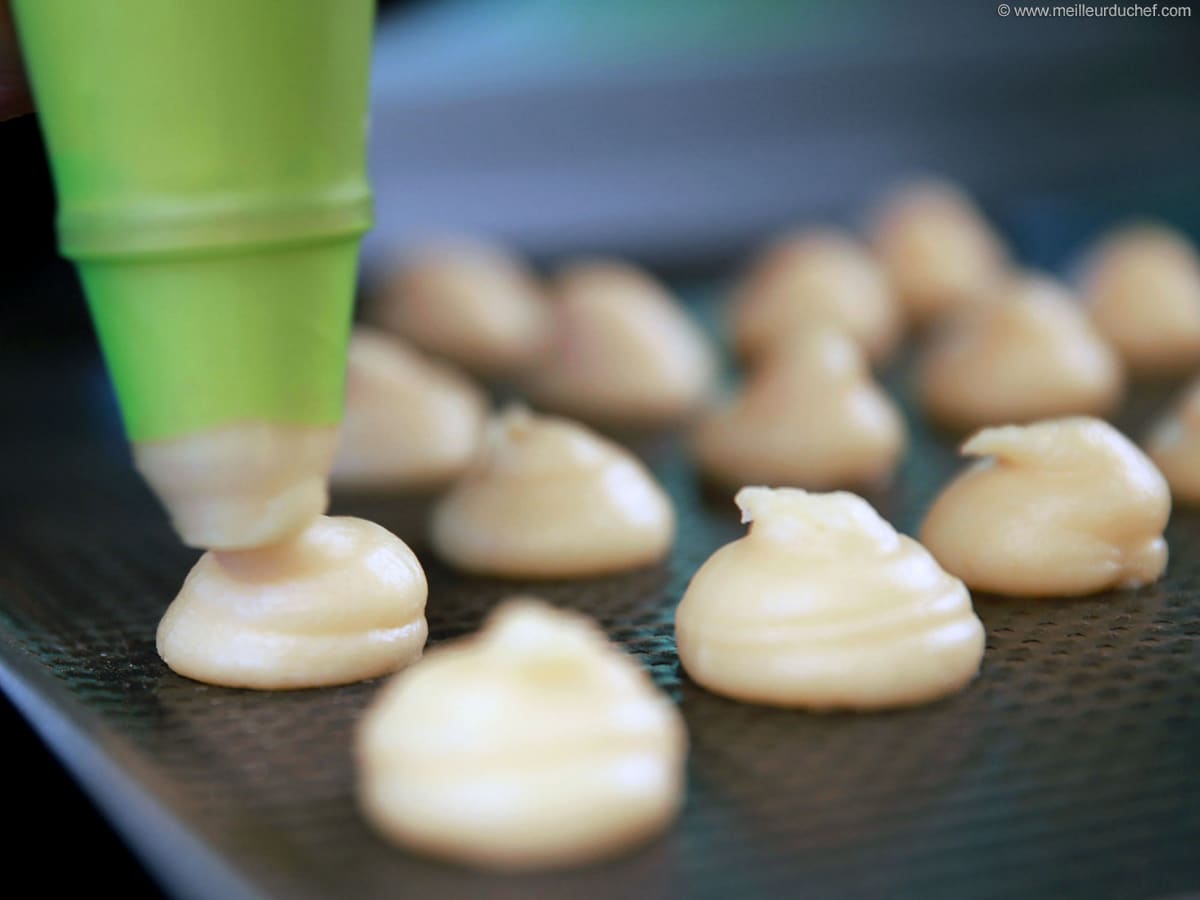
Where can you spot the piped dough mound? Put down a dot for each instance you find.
(823, 605)
(468, 302)
(548, 498)
(1064, 507)
(1143, 286)
(815, 278)
(811, 416)
(534, 744)
(409, 422)
(342, 601)
(940, 252)
(1174, 445)
(1031, 353)
(624, 351)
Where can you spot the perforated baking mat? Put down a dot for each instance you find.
(1071, 767)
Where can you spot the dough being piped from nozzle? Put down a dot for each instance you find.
(409, 421)
(468, 302)
(939, 251)
(1058, 508)
(624, 351)
(824, 606)
(815, 278)
(1029, 353)
(548, 498)
(243, 485)
(342, 601)
(533, 744)
(810, 416)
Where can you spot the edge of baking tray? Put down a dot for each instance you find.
(179, 859)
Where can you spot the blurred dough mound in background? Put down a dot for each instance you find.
(533, 744)
(548, 498)
(1063, 507)
(342, 601)
(823, 605)
(1174, 445)
(939, 251)
(409, 421)
(1030, 353)
(1142, 283)
(810, 416)
(468, 302)
(813, 278)
(624, 350)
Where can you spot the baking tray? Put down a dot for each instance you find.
(1071, 767)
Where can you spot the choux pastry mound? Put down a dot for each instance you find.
(469, 303)
(243, 485)
(810, 416)
(624, 351)
(1064, 507)
(547, 498)
(941, 254)
(409, 421)
(1029, 354)
(1174, 445)
(342, 601)
(1143, 286)
(814, 278)
(824, 606)
(534, 744)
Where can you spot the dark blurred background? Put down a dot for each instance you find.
(682, 133)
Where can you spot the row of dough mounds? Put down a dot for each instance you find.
(536, 743)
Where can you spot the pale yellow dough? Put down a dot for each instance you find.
(342, 601)
(468, 302)
(550, 499)
(534, 744)
(624, 350)
(409, 422)
(823, 605)
(1030, 353)
(811, 416)
(1063, 507)
(1143, 286)
(1174, 445)
(242, 485)
(941, 254)
(814, 278)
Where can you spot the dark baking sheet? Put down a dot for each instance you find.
(1070, 768)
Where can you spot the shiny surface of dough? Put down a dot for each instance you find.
(534, 744)
(1030, 353)
(624, 350)
(468, 302)
(1143, 286)
(341, 602)
(814, 278)
(409, 422)
(241, 486)
(1062, 507)
(823, 605)
(548, 498)
(811, 416)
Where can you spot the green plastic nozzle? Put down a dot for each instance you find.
(210, 162)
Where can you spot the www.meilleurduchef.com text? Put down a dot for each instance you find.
(1092, 11)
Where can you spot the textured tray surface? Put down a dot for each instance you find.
(1071, 767)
